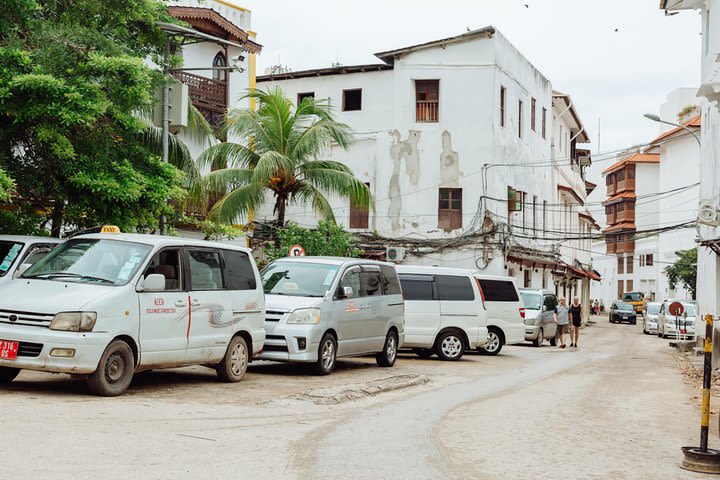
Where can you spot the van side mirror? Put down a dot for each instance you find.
(155, 282)
(21, 269)
(347, 292)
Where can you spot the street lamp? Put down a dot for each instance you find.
(655, 118)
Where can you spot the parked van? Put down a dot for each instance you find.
(444, 312)
(108, 305)
(539, 315)
(18, 253)
(636, 299)
(321, 308)
(505, 312)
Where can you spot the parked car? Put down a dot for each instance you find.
(636, 299)
(667, 326)
(539, 310)
(18, 253)
(444, 312)
(505, 312)
(650, 317)
(622, 312)
(321, 308)
(109, 305)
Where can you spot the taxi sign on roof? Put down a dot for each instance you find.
(109, 229)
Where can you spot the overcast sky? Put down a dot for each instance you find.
(614, 76)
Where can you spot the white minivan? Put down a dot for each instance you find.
(444, 311)
(18, 253)
(107, 305)
(505, 310)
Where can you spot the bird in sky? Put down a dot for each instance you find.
(617, 30)
(527, 6)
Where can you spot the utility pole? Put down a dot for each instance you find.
(165, 119)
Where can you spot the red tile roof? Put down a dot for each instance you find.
(692, 123)
(620, 226)
(619, 197)
(634, 158)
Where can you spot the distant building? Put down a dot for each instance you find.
(471, 156)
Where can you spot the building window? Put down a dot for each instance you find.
(620, 289)
(532, 114)
(502, 106)
(649, 260)
(629, 268)
(523, 209)
(304, 95)
(544, 122)
(621, 262)
(450, 209)
(520, 118)
(629, 285)
(359, 214)
(352, 100)
(534, 216)
(527, 281)
(544, 219)
(219, 61)
(427, 101)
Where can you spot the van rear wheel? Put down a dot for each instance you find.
(495, 342)
(114, 372)
(234, 364)
(449, 346)
(8, 374)
(387, 357)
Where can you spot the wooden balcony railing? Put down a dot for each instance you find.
(426, 111)
(625, 185)
(611, 189)
(625, 247)
(205, 93)
(611, 247)
(625, 216)
(610, 218)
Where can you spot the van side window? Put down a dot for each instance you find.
(550, 303)
(239, 271)
(370, 281)
(351, 278)
(498, 290)
(167, 263)
(454, 287)
(391, 284)
(417, 287)
(205, 270)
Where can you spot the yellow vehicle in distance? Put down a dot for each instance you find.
(636, 299)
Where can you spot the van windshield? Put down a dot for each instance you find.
(653, 308)
(531, 300)
(299, 279)
(9, 251)
(632, 297)
(106, 262)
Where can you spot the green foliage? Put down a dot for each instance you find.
(213, 230)
(279, 150)
(686, 109)
(22, 222)
(328, 239)
(6, 184)
(684, 270)
(72, 80)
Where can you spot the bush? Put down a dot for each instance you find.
(328, 239)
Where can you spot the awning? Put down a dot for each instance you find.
(713, 244)
(570, 191)
(532, 257)
(579, 272)
(618, 198)
(619, 227)
(589, 219)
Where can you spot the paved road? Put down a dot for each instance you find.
(615, 408)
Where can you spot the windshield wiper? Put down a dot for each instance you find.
(71, 275)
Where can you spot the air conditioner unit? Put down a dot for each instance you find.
(708, 213)
(395, 254)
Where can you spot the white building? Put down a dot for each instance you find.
(453, 136)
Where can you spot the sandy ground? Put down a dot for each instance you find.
(616, 408)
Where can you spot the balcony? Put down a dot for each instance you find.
(611, 247)
(625, 185)
(611, 189)
(426, 111)
(627, 246)
(207, 95)
(625, 216)
(610, 218)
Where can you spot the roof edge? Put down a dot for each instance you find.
(321, 72)
(388, 56)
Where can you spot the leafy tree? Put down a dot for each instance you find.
(278, 151)
(684, 270)
(72, 81)
(328, 239)
(6, 184)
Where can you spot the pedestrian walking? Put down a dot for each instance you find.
(576, 317)
(561, 317)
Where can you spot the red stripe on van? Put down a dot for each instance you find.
(187, 335)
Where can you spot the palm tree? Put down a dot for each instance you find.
(280, 150)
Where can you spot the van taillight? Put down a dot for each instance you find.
(522, 312)
(482, 295)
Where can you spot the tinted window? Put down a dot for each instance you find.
(167, 264)
(239, 270)
(8, 253)
(417, 287)
(391, 284)
(205, 270)
(452, 287)
(351, 279)
(632, 297)
(625, 307)
(299, 279)
(550, 303)
(370, 283)
(498, 290)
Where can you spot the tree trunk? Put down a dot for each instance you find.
(57, 218)
(280, 204)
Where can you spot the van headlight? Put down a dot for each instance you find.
(304, 316)
(74, 321)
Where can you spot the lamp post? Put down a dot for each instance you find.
(655, 118)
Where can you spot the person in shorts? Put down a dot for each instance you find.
(576, 317)
(561, 317)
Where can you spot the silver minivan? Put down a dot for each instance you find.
(321, 308)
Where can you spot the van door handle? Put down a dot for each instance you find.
(194, 303)
(180, 303)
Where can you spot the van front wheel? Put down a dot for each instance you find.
(387, 357)
(114, 372)
(234, 364)
(327, 353)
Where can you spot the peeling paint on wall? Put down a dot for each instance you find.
(412, 160)
(449, 163)
(396, 153)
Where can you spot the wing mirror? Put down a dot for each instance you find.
(154, 282)
(347, 292)
(21, 269)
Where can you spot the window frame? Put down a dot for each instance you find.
(503, 98)
(533, 107)
(427, 82)
(544, 122)
(359, 213)
(520, 119)
(226, 270)
(344, 99)
(450, 214)
(188, 269)
(303, 95)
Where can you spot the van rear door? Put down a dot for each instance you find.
(457, 302)
(422, 310)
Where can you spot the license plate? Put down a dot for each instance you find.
(8, 350)
(624, 317)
